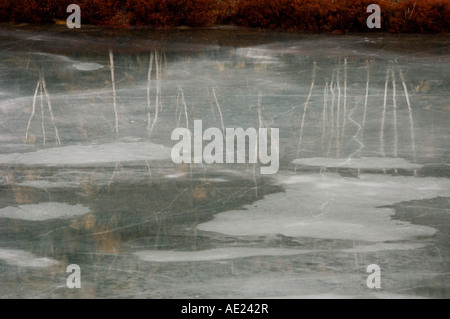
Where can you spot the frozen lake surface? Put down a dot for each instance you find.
(86, 175)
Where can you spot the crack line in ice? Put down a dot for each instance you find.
(243, 190)
(218, 107)
(355, 137)
(325, 207)
(42, 115)
(274, 117)
(49, 104)
(155, 215)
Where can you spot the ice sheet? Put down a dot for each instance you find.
(361, 102)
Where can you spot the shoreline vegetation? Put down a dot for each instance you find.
(319, 16)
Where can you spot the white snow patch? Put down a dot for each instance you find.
(383, 247)
(361, 163)
(49, 184)
(43, 211)
(175, 175)
(87, 66)
(90, 154)
(214, 254)
(22, 258)
(215, 180)
(333, 207)
(261, 54)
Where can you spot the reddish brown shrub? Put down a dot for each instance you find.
(198, 12)
(169, 13)
(226, 11)
(425, 16)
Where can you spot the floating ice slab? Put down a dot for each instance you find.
(362, 163)
(22, 258)
(261, 53)
(333, 207)
(42, 184)
(176, 175)
(382, 247)
(43, 211)
(87, 66)
(90, 154)
(214, 254)
(215, 180)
